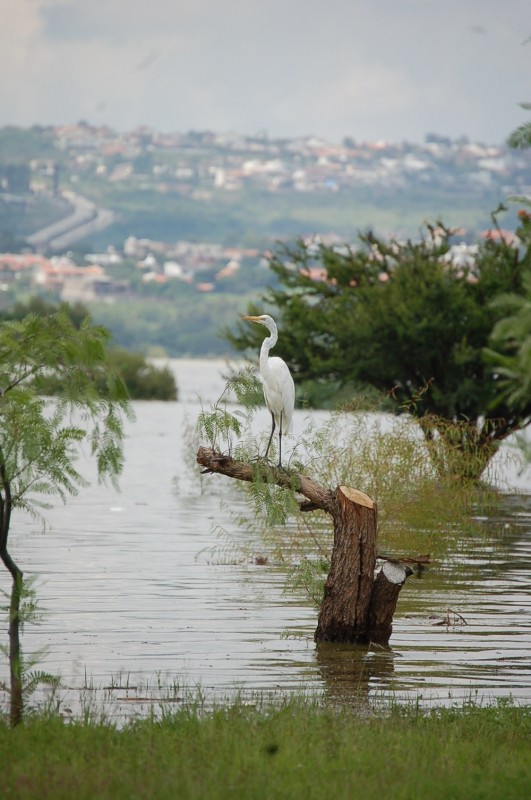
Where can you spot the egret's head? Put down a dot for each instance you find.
(269, 323)
(262, 319)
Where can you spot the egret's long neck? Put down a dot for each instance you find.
(267, 344)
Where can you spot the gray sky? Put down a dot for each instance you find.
(371, 69)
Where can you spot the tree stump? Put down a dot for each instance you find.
(386, 589)
(349, 585)
(357, 607)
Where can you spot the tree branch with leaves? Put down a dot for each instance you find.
(40, 439)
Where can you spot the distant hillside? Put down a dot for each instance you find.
(24, 144)
(203, 186)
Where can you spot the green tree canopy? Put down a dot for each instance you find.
(409, 319)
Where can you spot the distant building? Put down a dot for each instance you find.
(172, 269)
(87, 289)
(12, 265)
(107, 259)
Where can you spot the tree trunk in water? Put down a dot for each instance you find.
(384, 598)
(356, 607)
(15, 653)
(347, 594)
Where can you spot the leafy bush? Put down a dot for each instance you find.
(144, 381)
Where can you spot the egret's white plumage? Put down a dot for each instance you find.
(279, 389)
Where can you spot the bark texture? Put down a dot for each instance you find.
(386, 589)
(349, 585)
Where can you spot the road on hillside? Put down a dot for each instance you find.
(85, 219)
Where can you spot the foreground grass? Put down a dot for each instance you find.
(297, 750)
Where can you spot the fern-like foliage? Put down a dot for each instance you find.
(40, 439)
(510, 350)
(521, 137)
(229, 417)
(31, 678)
(272, 504)
(227, 429)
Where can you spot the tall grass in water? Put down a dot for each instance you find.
(293, 750)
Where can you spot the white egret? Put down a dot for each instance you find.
(279, 389)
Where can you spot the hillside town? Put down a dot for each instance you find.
(193, 162)
(155, 263)
(198, 166)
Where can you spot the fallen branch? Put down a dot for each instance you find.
(406, 559)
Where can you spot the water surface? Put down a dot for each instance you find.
(135, 598)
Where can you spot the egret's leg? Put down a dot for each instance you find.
(272, 432)
(280, 441)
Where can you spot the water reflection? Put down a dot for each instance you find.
(134, 597)
(350, 672)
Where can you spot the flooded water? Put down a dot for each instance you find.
(137, 606)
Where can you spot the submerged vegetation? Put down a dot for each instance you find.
(426, 506)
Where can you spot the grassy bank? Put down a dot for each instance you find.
(299, 750)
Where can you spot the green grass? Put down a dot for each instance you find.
(294, 750)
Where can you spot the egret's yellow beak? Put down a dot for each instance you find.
(251, 319)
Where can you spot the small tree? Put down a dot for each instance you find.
(39, 439)
(410, 320)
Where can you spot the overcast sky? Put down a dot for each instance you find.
(370, 69)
